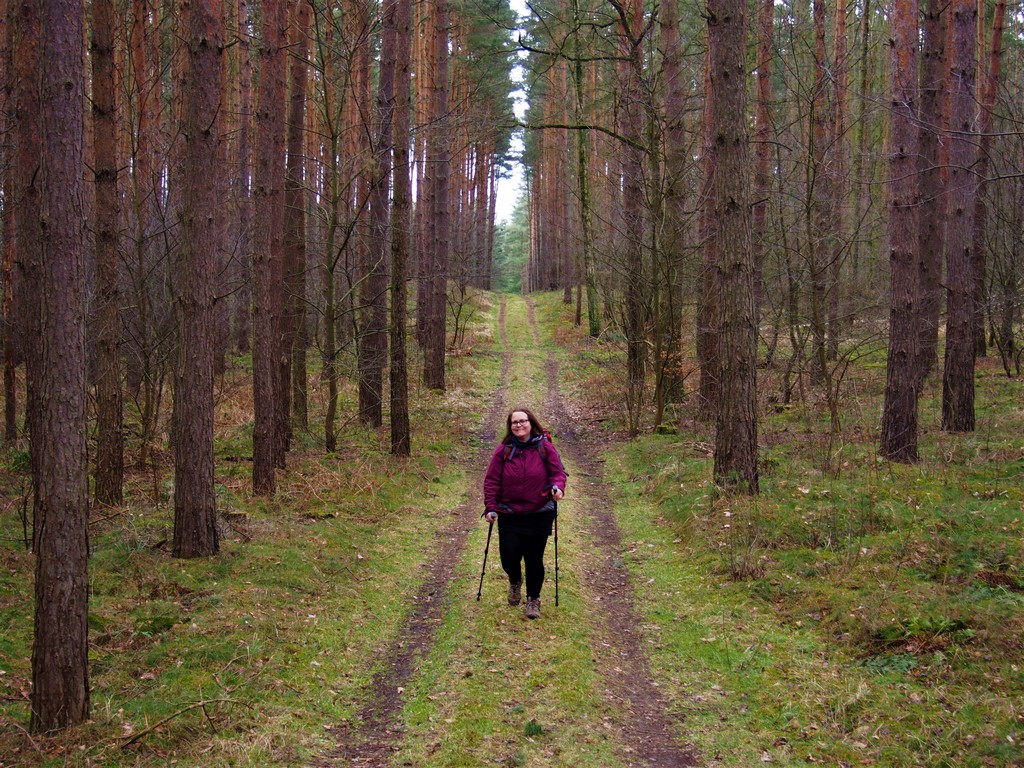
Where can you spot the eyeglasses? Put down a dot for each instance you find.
(517, 422)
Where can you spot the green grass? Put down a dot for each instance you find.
(856, 612)
(496, 689)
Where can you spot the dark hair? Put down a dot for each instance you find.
(535, 426)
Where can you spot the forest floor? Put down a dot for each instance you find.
(855, 612)
(649, 734)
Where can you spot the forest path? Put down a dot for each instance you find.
(620, 656)
(597, 594)
(372, 738)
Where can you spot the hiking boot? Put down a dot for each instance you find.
(515, 594)
(532, 610)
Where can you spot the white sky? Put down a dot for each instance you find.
(511, 189)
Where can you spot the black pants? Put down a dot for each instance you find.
(517, 547)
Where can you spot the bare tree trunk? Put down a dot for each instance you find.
(243, 254)
(820, 214)
(958, 372)
(862, 189)
(439, 158)
(988, 101)
(736, 427)
(899, 411)
(583, 183)
(840, 184)
(933, 199)
(27, 220)
(147, 316)
(631, 92)
(673, 236)
(110, 434)
(709, 292)
(291, 401)
(763, 136)
(195, 510)
(401, 232)
(7, 226)
(332, 87)
(267, 241)
(373, 339)
(57, 382)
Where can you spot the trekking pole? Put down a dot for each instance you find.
(487, 546)
(556, 554)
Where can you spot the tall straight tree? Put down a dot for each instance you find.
(839, 176)
(958, 370)
(439, 158)
(109, 428)
(899, 411)
(586, 246)
(243, 176)
(932, 224)
(708, 293)
(763, 134)
(60, 652)
(729, 189)
(401, 231)
(631, 37)
(268, 175)
(989, 94)
(195, 509)
(331, 110)
(291, 397)
(373, 337)
(820, 213)
(27, 230)
(146, 317)
(7, 90)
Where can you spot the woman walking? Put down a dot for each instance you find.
(524, 480)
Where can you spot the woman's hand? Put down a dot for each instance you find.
(490, 516)
(556, 493)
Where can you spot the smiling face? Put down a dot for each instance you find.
(520, 426)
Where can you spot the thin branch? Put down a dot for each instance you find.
(189, 708)
(577, 127)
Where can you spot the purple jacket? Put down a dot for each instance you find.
(519, 479)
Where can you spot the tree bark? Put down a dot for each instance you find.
(109, 430)
(820, 222)
(27, 221)
(243, 193)
(195, 510)
(709, 291)
(292, 399)
(736, 426)
(840, 183)
(990, 92)
(958, 371)
(933, 198)
(374, 337)
(631, 93)
(587, 256)
(440, 160)
(8, 119)
(401, 232)
(57, 381)
(899, 411)
(763, 136)
(673, 238)
(268, 176)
